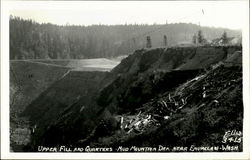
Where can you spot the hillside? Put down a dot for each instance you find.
(63, 94)
(185, 80)
(177, 58)
(145, 73)
(29, 79)
(31, 40)
(61, 100)
(40, 74)
(198, 112)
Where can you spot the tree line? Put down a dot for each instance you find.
(32, 40)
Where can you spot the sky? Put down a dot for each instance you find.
(226, 14)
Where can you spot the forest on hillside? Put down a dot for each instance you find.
(32, 40)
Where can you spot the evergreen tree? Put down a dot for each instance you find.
(29, 39)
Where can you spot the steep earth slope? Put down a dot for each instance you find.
(138, 81)
(63, 94)
(138, 74)
(29, 78)
(27, 81)
(71, 99)
(197, 114)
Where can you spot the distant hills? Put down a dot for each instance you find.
(31, 40)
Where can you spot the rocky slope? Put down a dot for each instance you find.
(198, 112)
(194, 84)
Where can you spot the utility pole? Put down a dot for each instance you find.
(194, 39)
(165, 40)
(148, 45)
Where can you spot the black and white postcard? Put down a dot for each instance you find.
(125, 79)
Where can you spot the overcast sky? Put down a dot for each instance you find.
(227, 14)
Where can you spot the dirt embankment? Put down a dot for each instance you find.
(76, 111)
(183, 58)
(63, 94)
(69, 104)
(147, 73)
(197, 113)
(27, 81)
